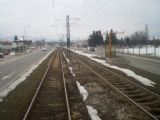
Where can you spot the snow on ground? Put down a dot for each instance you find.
(93, 113)
(150, 50)
(13, 85)
(128, 72)
(71, 69)
(82, 90)
(65, 57)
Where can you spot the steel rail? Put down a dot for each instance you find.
(118, 75)
(65, 89)
(117, 90)
(37, 91)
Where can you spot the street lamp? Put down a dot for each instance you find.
(25, 31)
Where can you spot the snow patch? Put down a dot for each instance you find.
(13, 85)
(71, 69)
(65, 57)
(150, 50)
(93, 113)
(128, 72)
(82, 91)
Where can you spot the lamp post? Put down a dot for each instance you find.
(25, 31)
(25, 34)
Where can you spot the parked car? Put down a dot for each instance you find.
(1, 55)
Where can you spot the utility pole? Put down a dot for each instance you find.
(67, 30)
(68, 34)
(146, 38)
(110, 41)
(25, 32)
(110, 44)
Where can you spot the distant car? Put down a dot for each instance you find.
(43, 49)
(1, 55)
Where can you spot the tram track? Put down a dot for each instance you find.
(144, 99)
(51, 100)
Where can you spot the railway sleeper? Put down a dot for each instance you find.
(116, 81)
(155, 103)
(108, 74)
(119, 85)
(128, 92)
(145, 100)
(158, 117)
(155, 111)
(128, 89)
(133, 92)
(137, 96)
(131, 87)
(127, 86)
(113, 80)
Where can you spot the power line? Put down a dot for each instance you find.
(98, 9)
(54, 14)
(60, 22)
(103, 5)
(84, 5)
(86, 9)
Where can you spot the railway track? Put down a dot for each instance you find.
(51, 100)
(144, 99)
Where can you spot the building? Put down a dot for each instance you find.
(17, 46)
(5, 45)
(21, 45)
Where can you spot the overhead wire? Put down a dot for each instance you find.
(83, 6)
(98, 9)
(54, 14)
(91, 6)
(103, 5)
(86, 9)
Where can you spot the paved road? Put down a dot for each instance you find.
(147, 64)
(12, 68)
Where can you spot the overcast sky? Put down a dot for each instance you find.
(120, 15)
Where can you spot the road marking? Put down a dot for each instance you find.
(8, 76)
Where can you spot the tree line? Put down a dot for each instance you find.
(138, 38)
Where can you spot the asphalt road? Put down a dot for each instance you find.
(147, 64)
(151, 65)
(12, 68)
